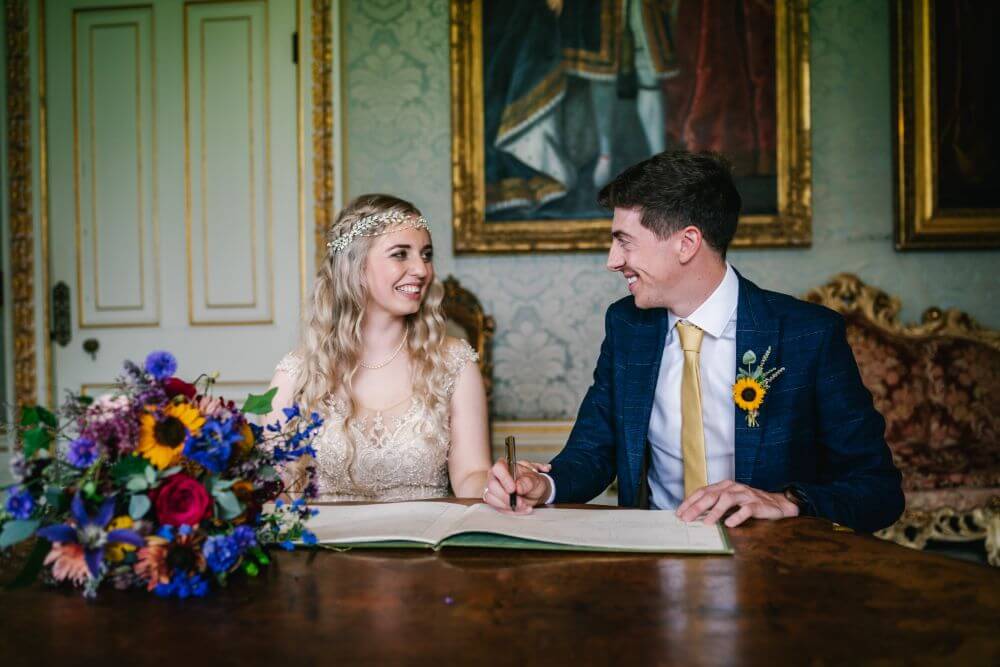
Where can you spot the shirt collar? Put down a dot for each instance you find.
(717, 310)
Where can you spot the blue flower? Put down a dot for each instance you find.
(213, 446)
(245, 536)
(183, 586)
(82, 452)
(20, 503)
(89, 532)
(308, 537)
(292, 412)
(221, 552)
(161, 365)
(287, 545)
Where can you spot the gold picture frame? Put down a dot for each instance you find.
(922, 222)
(791, 226)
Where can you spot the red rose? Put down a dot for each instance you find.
(182, 500)
(175, 386)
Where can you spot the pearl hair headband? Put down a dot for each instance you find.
(363, 226)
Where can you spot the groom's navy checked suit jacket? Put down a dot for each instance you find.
(818, 429)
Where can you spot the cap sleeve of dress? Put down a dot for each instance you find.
(290, 365)
(459, 354)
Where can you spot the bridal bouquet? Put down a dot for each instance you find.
(158, 485)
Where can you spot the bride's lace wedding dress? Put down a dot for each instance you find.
(399, 453)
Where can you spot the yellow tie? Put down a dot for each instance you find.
(692, 429)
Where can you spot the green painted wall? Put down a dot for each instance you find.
(549, 308)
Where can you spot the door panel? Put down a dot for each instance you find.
(173, 192)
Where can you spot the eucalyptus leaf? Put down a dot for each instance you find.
(749, 358)
(56, 498)
(150, 475)
(138, 506)
(259, 404)
(222, 484)
(17, 531)
(229, 503)
(171, 471)
(267, 473)
(137, 483)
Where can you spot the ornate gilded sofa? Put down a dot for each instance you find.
(938, 385)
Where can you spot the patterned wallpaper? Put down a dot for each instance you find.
(549, 308)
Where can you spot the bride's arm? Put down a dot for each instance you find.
(285, 383)
(469, 455)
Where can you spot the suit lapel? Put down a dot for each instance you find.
(756, 330)
(642, 374)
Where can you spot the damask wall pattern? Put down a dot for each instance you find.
(549, 309)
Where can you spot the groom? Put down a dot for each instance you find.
(662, 414)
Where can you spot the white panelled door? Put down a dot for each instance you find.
(173, 188)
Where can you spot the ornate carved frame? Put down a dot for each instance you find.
(792, 226)
(464, 308)
(22, 234)
(919, 221)
(847, 294)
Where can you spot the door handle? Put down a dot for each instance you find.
(62, 321)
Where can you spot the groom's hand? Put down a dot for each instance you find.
(715, 500)
(532, 489)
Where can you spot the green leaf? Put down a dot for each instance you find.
(137, 483)
(47, 417)
(17, 531)
(170, 471)
(259, 405)
(221, 484)
(138, 506)
(29, 416)
(229, 503)
(35, 439)
(150, 475)
(32, 566)
(749, 358)
(129, 466)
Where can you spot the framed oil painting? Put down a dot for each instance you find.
(552, 98)
(946, 104)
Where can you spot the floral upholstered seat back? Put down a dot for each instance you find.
(940, 396)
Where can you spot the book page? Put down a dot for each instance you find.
(627, 530)
(413, 521)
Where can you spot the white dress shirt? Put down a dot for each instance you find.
(717, 318)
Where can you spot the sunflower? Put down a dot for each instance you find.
(162, 436)
(748, 393)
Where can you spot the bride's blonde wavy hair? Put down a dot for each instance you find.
(331, 345)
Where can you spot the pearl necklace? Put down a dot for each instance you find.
(375, 367)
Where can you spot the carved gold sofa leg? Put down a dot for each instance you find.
(916, 527)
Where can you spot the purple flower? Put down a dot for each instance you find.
(221, 552)
(20, 503)
(82, 452)
(161, 365)
(213, 445)
(245, 536)
(183, 586)
(88, 531)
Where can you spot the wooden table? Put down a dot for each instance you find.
(796, 592)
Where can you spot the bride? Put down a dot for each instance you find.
(404, 405)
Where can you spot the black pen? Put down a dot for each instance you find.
(512, 466)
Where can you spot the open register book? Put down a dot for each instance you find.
(439, 524)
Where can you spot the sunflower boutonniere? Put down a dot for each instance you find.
(752, 384)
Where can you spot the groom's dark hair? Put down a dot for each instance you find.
(675, 189)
